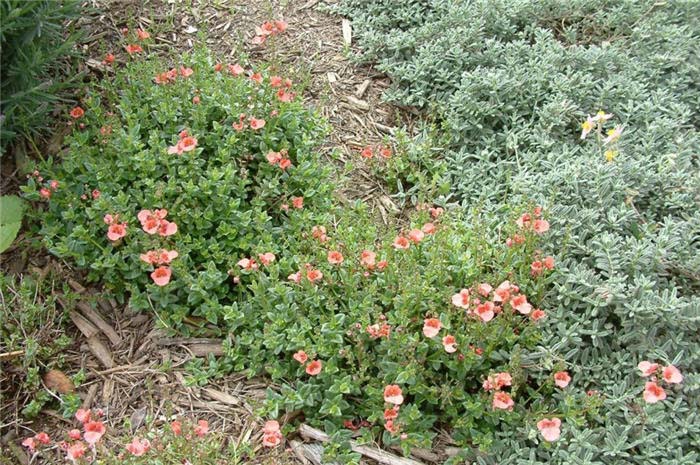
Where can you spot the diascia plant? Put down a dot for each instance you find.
(174, 173)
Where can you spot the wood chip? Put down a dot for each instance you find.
(203, 350)
(100, 350)
(357, 103)
(75, 285)
(332, 77)
(347, 32)
(90, 397)
(379, 455)
(221, 396)
(100, 322)
(312, 452)
(362, 88)
(82, 323)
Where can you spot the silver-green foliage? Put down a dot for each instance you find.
(511, 81)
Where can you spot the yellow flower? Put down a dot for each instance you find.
(610, 155)
(587, 126)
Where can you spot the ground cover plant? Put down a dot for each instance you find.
(591, 109)
(192, 189)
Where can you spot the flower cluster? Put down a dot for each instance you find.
(653, 392)
(611, 136)
(271, 434)
(313, 368)
(393, 396)
(268, 29)
(185, 143)
(171, 76)
(368, 151)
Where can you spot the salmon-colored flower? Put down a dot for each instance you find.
(314, 275)
(484, 289)
(257, 78)
(202, 428)
(461, 299)
(284, 96)
(133, 48)
(428, 228)
(186, 72)
(562, 379)
(236, 69)
(185, 144)
(376, 331)
(300, 356)
(45, 193)
(385, 152)
(167, 228)
(280, 25)
(382, 264)
(368, 258)
(391, 427)
(218, 67)
(450, 344)
(275, 81)
(257, 123)
(266, 258)
(271, 434)
(653, 393)
(74, 434)
(314, 368)
(196, 100)
(431, 327)
(548, 263)
(142, 35)
(502, 292)
(82, 415)
(319, 232)
(295, 277)
(550, 428)
(519, 302)
(538, 314)
(161, 275)
(435, 212)
(29, 443)
(366, 152)
(401, 242)
(108, 60)
(391, 413)
(75, 451)
(298, 202)
(273, 157)
(77, 112)
(540, 226)
(393, 394)
(116, 231)
(285, 163)
(94, 430)
(159, 257)
(138, 446)
(502, 401)
(672, 375)
(485, 311)
(248, 264)
(416, 235)
(335, 257)
(176, 427)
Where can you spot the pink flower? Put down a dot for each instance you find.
(256, 123)
(435, 212)
(75, 451)
(431, 327)
(248, 264)
(74, 434)
(562, 379)
(266, 258)
(161, 275)
(672, 375)
(43, 438)
(236, 69)
(502, 401)
(176, 427)
(538, 314)
(393, 394)
(29, 443)
(295, 277)
(138, 446)
(550, 429)
(133, 48)
(285, 163)
(502, 292)
(519, 303)
(94, 430)
(541, 226)
(450, 344)
(485, 311)
(275, 81)
(429, 228)
(300, 356)
(653, 393)
(367, 259)
(142, 35)
(273, 157)
(82, 415)
(461, 299)
(185, 144)
(335, 257)
(271, 434)
(116, 231)
(314, 368)
(401, 242)
(366, 152)
(298, 202)
(271, 426)
(548, 263)
(77, 112)
(416, 235)
(186, 72)
(647, 368)
(484, 289)
(202, 428)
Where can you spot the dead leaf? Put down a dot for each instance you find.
(191, 29)
(57, 381)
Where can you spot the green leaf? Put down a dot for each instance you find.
(11, 213)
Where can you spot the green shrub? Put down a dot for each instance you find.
(33, 43)
(511, 82)
(232, 205)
